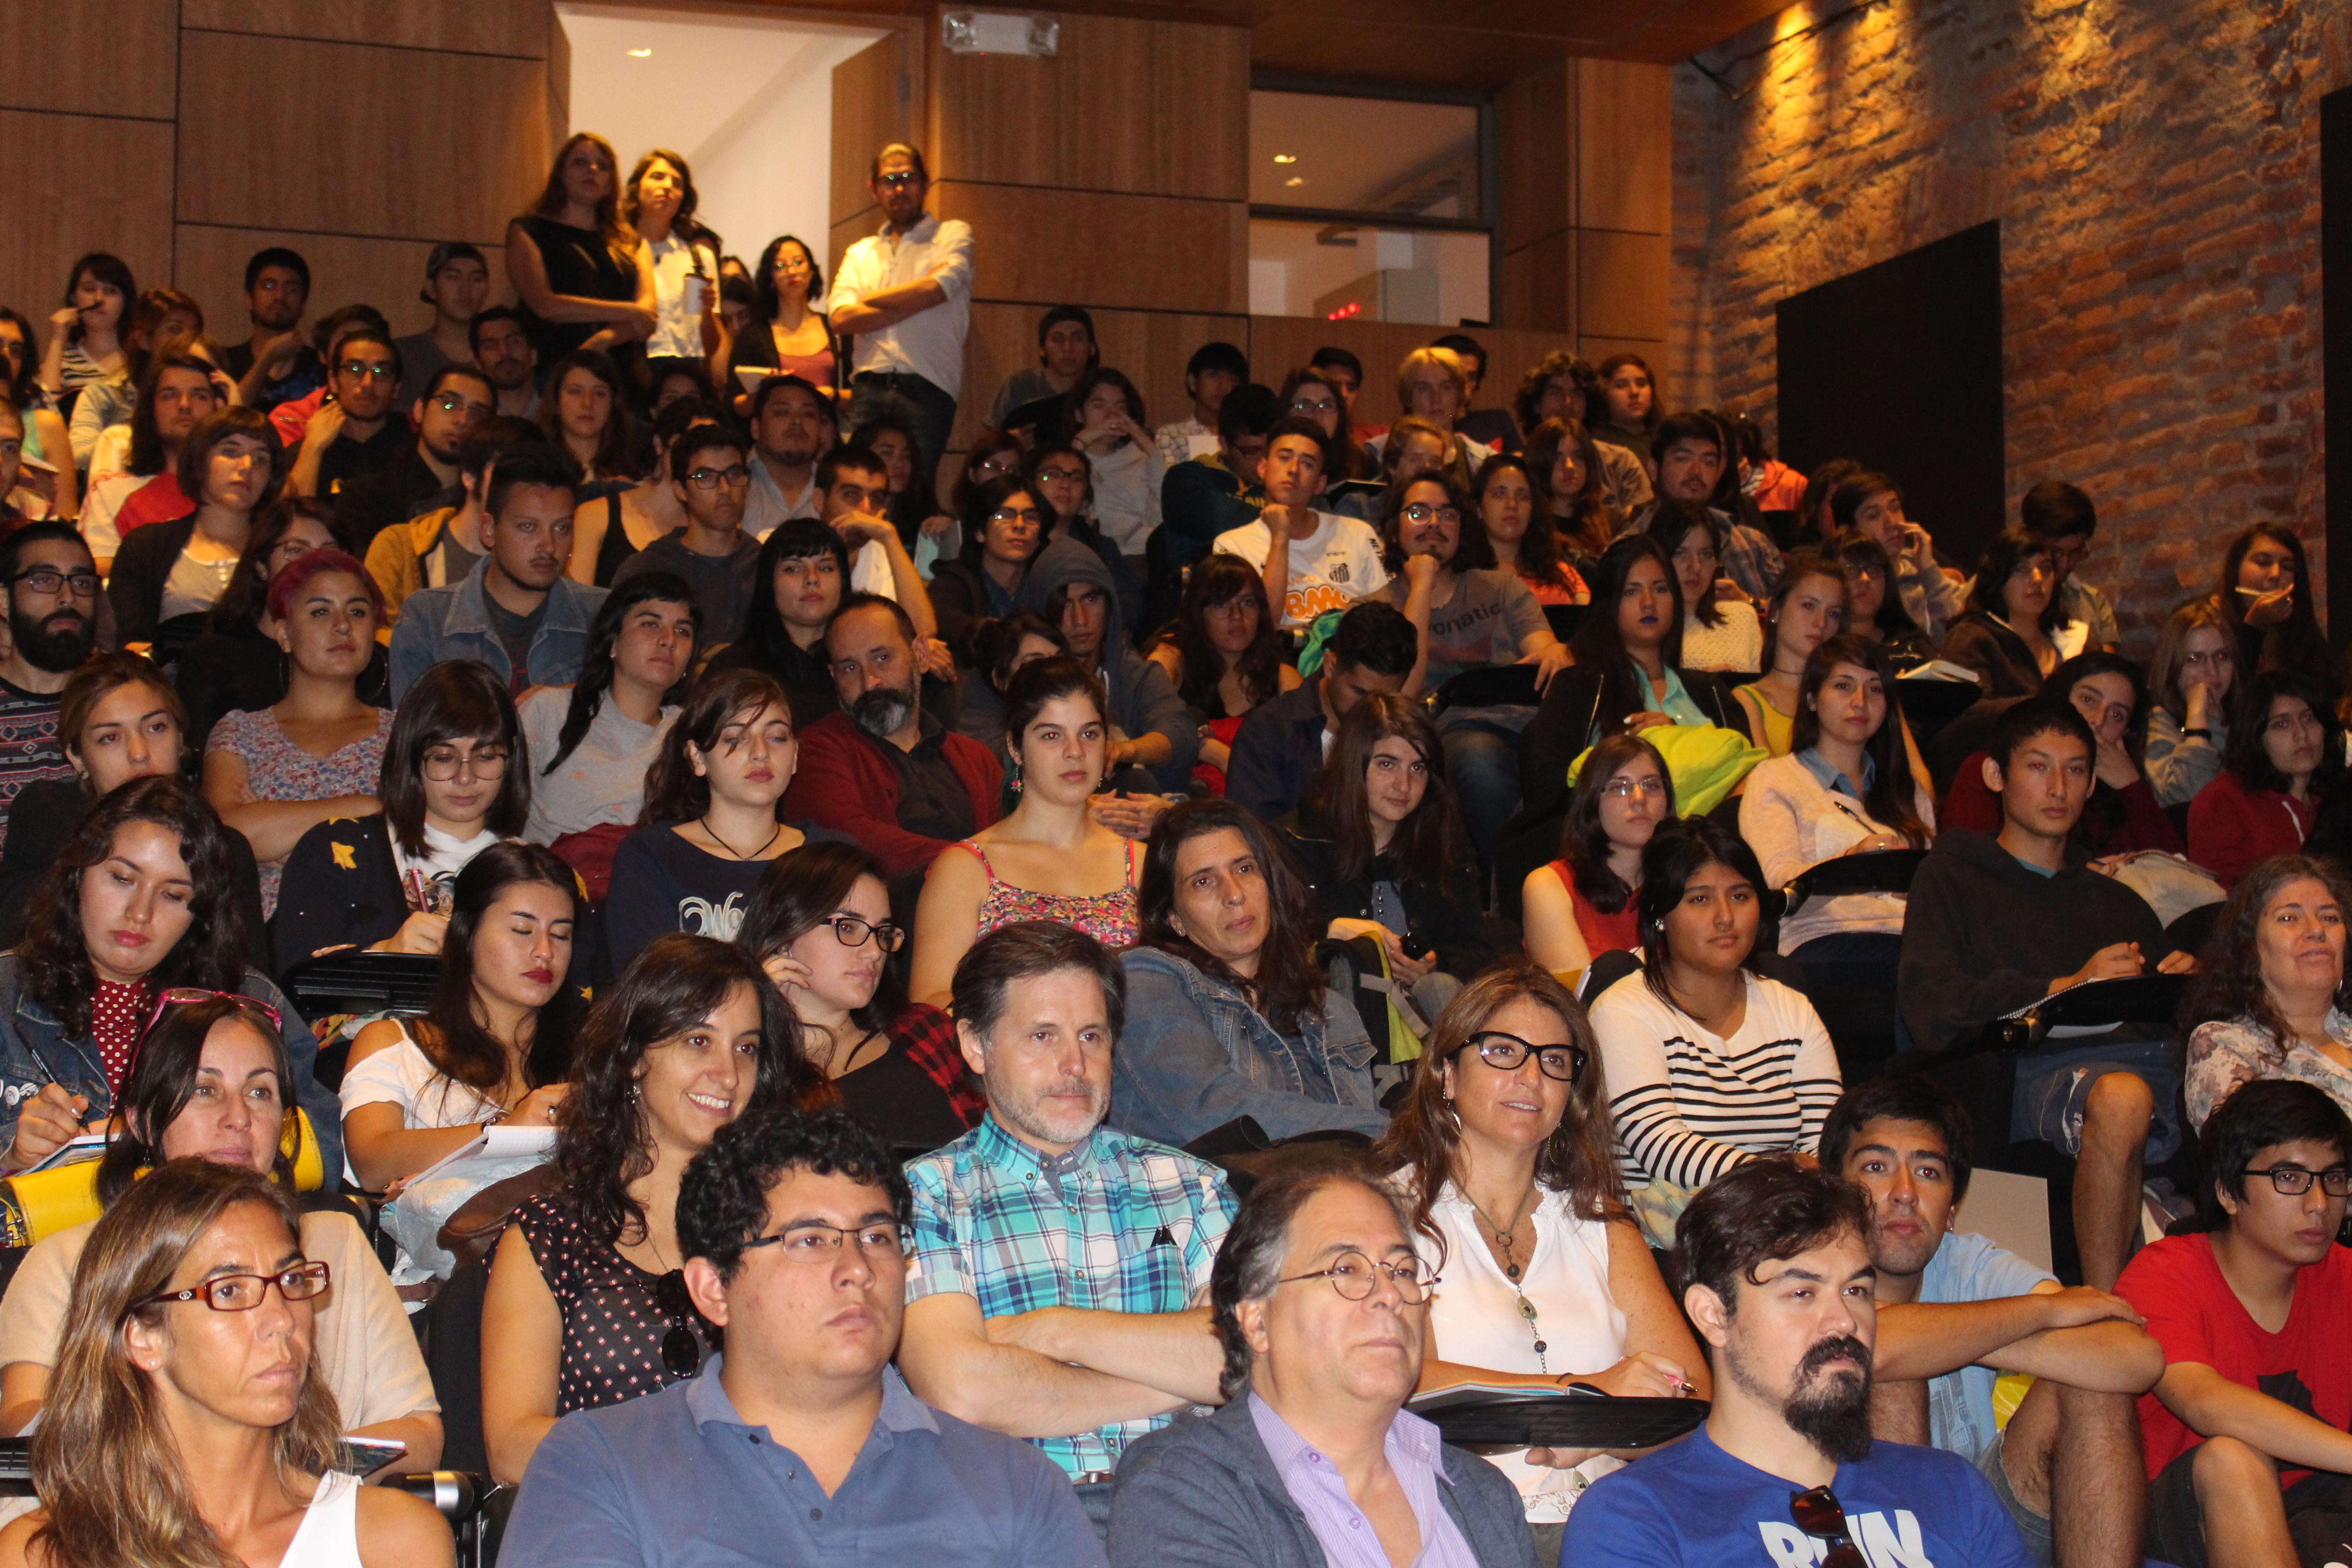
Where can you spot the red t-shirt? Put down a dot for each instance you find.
(2195, 1316)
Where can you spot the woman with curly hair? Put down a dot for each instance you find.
(143, 901)
(2268, 998)
(587, 1303)
(1503, 1153)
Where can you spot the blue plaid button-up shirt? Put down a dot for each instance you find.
(1118, 1224)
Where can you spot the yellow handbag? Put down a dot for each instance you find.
(43, 1203)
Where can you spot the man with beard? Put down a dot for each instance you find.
(516, 611)
(1041, 1303)
(354, 431)
(423, 477)
(275, 366)
(1954, 1310)
(52, 587)
(883, 770)
(904, 297)
(1774, 1262)
(502, 348)
(791, 429)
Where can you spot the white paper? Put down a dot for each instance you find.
(496, 1145)
(88, 1146)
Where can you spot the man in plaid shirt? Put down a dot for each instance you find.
(1061, 1268)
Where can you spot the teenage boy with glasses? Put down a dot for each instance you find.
(710, 471)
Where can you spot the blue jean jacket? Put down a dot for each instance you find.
(34, 1051)
(438, 623)
(1194, 1055)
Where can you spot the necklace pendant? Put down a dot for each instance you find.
(1512, 1272)
(1541, 1347)
(1527, 1310)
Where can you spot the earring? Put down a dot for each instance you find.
(1454, 1111)
(1012, 778)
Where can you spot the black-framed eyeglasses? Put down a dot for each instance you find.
(2294, 1180)
(1506, 1052)
(711, 478)
(851, 931)
(813, 1242)
(373, 369)
(898, 180)
(1421, 511)
(1817, 1513)
(1311, 406)
(1064, 476)
(681, 1347)
(450, 403)
(48, 580)
(486, 763)
(244, 1292)
(1028, 514)
(1354, 1275)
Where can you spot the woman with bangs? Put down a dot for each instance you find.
(709, 825)
(1581, 905)
(1521, 531)
(168, 575)
(1502, 1149)
(455, 781)
(1722, 634)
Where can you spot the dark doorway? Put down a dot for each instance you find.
(1898, 367)
(2336, 345)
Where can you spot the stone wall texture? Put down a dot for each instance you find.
(2154, 168)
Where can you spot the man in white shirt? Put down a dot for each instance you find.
(905, 295)
(791, 430)
(1312, 561)
(1214, 372)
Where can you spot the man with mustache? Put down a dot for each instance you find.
(883, 770)
(1061, 1268)
(52, 588)
(1774, 1262)
(799, 1443)
(516, 611)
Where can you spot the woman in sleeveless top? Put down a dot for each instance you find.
(1050, 859)
(1581, 905)
(1807, 608)
(573, 262)
(789, 334)
(193, 1292)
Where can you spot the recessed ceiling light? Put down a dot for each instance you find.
(639, 54)
(1286, 158)
(1296, 180)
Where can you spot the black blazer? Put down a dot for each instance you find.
(1562, 728)
(1447, 915)
(135, 586)
(327, 898)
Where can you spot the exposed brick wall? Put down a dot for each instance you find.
(2154, 167)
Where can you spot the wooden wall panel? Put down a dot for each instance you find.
(87, 57)
(1535, 128)
(872, 103)
(1045, 247)
(404, 143)
(1621, 284)
(385, 273)
(1145, 108)
(127, 211)
(1151, 346)
(1624, 146)
(516, 27)
(1540, 285)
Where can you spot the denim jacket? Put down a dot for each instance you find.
(1194, 1055)
(439, 624)
(34, 1051)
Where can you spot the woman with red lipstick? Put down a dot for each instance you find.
(2268, 998)
(1705, 1062)
(820, 925)
(495, 1046)
(212, 1083)
(1050, 859)
(1504, 1152)
(710, 826)
(587, 1304)
(142, 899)
(455, 781)
(276, 773)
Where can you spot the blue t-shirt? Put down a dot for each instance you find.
(1693, 1503)
(1969, 1267)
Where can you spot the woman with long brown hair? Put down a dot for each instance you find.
(188, 1422)
(586, 413)
(1225, 654)
(573, 261)
(1521, 531)
(1503, 1149)
(1564, 465)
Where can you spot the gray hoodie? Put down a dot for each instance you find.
(1142, 701)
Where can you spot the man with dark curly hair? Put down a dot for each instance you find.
(801, 1443)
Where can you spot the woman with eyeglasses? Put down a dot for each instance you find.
(141, 900)
(2268, 998)
(2195, 689)
(1705, 1062)
(1581, 905)
(191, 1418)
(820, 925)
(1006, 524)
(1307, 395)
(2284, 765)
(212, 1083)
(1062, 476)
(1503, 1153)
(168, 575)
(788, 333)
(455, 781)
(587, 1304)
(1228, 1014)
(494, 1047)
(276, 773)
(711, 823)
